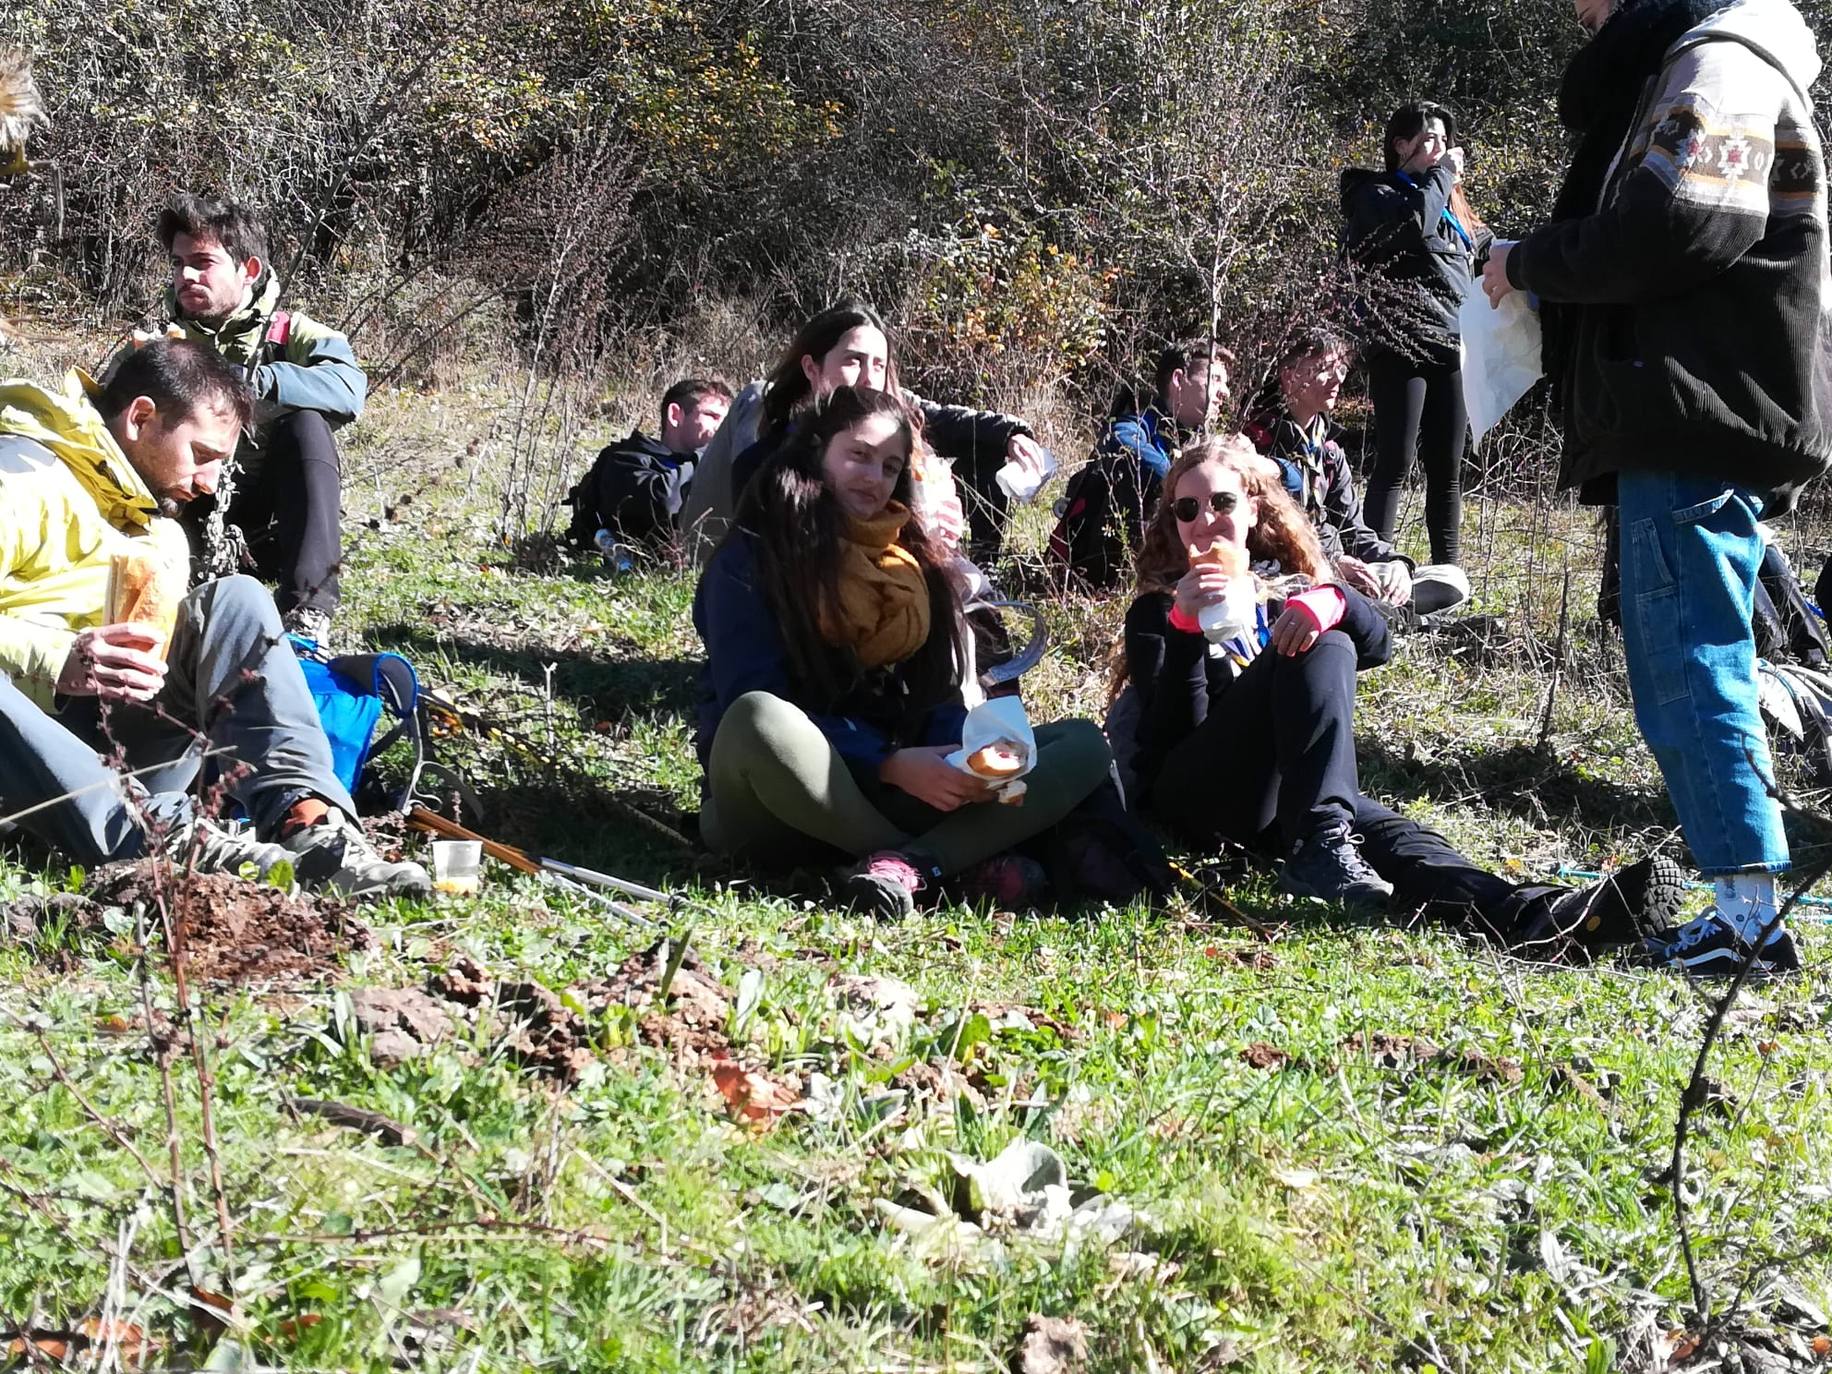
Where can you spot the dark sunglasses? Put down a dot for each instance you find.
(1187, 508)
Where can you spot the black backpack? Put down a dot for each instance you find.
(1100, 523)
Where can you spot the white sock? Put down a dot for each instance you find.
(1747, 902)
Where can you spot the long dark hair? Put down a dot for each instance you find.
(1407, 122)
(787, 389)
(797, 525)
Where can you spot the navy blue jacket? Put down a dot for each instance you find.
(745, 653)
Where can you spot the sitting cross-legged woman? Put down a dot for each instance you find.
(1252, 739)
(831, 692)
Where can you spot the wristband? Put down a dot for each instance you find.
(1180, 621)
(1323, 605)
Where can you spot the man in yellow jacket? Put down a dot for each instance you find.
(104, 721)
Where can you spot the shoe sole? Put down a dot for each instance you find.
(1724, 963)
(1292, 888)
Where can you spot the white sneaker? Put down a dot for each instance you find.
(335, 856)
(308, 622)
(214, 847)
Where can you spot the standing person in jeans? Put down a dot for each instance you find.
(288, 484)
(1683, 281)
(1411, 229)
(103, 723)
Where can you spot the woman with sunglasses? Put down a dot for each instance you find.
(1253, 740)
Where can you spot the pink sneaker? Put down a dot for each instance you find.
(885, 884)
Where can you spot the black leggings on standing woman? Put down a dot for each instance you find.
(1417, 407)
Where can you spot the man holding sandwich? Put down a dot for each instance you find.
(103, 726)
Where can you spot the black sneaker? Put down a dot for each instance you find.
(1711, 947)
(1327, 863)
(886, 884)
(1633, 905)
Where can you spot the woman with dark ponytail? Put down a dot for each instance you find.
(849, 344)
(1411, 230)
(831, 692)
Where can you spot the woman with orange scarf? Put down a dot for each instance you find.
(831, 693)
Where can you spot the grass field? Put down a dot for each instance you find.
(1274, 1138)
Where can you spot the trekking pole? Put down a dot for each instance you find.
(1589, 876)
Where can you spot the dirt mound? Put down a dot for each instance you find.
(236, 931)
(689, 1023)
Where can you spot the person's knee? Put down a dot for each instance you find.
(1086, 759)
(762, 718)
(241, 595)
(1331, 646)
(309, 431)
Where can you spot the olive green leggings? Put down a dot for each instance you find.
(778, 792)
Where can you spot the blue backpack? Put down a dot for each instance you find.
(352, 692)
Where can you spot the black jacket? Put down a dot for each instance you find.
(635, 490)
(1398, 228)
(1317, 476)
(1178, 678)
(1695, 291)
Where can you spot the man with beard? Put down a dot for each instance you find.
(288, 484)
(1684, 287)
(92, 478)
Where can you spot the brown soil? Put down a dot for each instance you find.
(1263, 1056)
(236, 931)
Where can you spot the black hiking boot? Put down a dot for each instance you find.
(1327, 863)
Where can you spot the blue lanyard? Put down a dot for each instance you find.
(1449, 215)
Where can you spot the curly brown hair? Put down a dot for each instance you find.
(1282, 532)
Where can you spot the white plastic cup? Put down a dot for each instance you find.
(457, 865)
(1234, 618)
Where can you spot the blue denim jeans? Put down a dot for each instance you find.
(1690, 553)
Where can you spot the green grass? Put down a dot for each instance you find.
(1497, 1206)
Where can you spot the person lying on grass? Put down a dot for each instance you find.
(1252, 739)
(848, 344)
(831, 691)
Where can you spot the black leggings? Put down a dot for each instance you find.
(289, 504)
(1275, 760)
(1418, 408)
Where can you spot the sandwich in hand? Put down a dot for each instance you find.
(143, 589)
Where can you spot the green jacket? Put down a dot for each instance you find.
(312, 368)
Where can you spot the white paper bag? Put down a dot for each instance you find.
(1500, 355)
(999, 721)
(1020, 483)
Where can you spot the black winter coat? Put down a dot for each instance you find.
(1397, 228)
(635, 490)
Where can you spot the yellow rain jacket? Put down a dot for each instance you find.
(69, 500)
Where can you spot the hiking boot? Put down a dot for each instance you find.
(1327, 863)
(333, 855)
(1628, 907)
(1008, 881)
(1710, 947)
(885, 884)
(215, 847)
(308, 622)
